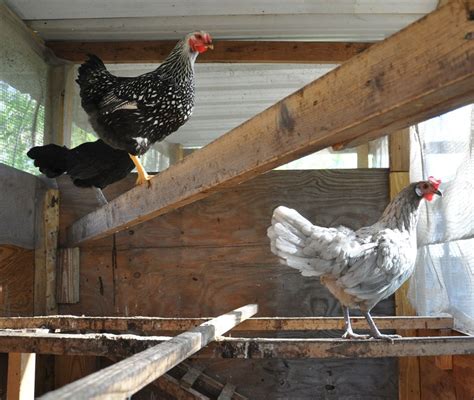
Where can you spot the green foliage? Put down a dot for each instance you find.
(21, 127)
(79, 136)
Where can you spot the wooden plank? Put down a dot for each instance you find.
(391, 90)
(154, 325)
(231, 347)
(227, 392)
(444, 362)
(55, 103)
(399, 148)
(172, 387)
(21, 376)
(337, 348)
(205, 384)
(409, 367)
(463, 373)
(68, 275)
(130, 375)
(398, 181)
(45, 253)
(363, 156)
(224, 51)
(17, 217)
(190, 376)
(16, 281)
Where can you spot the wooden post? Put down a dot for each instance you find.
(409, 367)
(21, 376)
(363, 156)
(68, 275)
(47, 227)
(130, 375)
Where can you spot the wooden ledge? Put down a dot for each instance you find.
(154, 325)
(123, 346)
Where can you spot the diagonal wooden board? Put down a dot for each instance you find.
(423, 70)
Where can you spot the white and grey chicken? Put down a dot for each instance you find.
(360, 268)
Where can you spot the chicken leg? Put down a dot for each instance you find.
(349, 334)
(142, 175)
(375, 333)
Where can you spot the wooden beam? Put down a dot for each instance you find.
(68, 275)
(206, 384)
(225, 51)
(154, 325)
(172, 386)
(130, 375)
(385, 88)
(409, 387)
(47, 229)
(21, 376)
(337, 348)
(227, 392)
(230, 347)
(399, 151)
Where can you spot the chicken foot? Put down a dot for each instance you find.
(349, 333)
(142, 174)
(375, 333)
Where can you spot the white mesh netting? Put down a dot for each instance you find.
(23, 78)
(443, 282)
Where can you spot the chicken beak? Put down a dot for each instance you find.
(210, 46)
(439, 193)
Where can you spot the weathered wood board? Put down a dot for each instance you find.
(17, 218)
(212, 256)
(16, 281)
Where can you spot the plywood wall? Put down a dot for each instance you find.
(213, 256)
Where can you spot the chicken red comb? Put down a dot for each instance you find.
(434, 182)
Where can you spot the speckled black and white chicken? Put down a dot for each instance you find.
(360, 268)
(131, 114)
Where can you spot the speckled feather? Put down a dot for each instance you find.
(133, 113)
(359, 267)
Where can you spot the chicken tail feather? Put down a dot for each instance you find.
(52, 160)
(288, 236)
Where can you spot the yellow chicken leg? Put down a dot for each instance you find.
(142, 175)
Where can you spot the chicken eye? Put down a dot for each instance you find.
(425, 186)
(198, 36)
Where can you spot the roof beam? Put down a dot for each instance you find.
(415, 74)
(225, 51)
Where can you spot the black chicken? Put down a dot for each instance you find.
(131, 114)
(92, 164)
